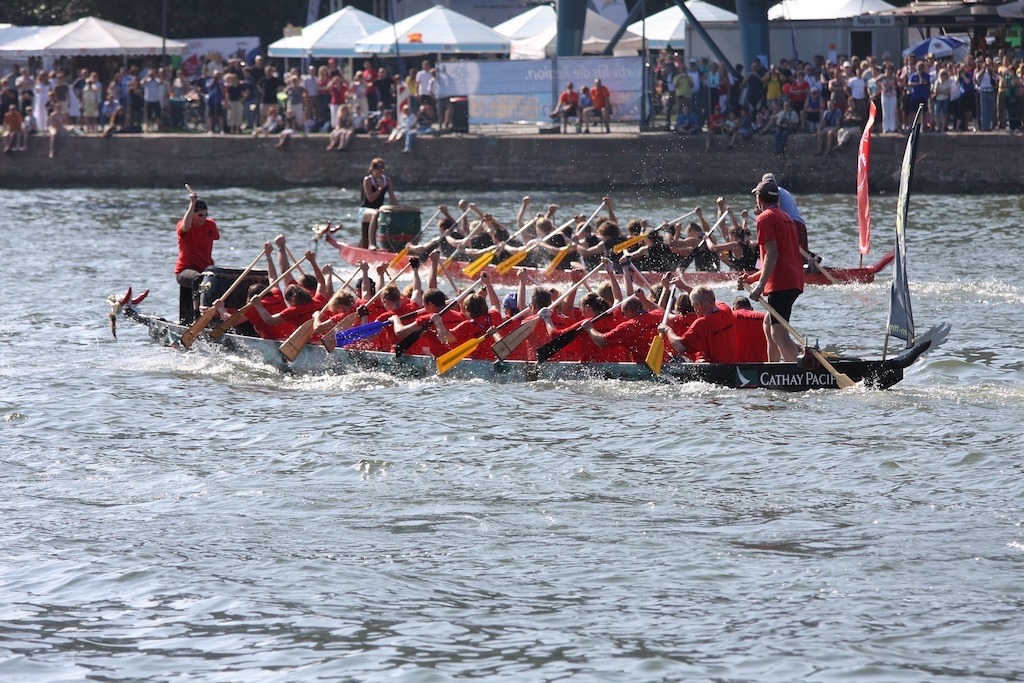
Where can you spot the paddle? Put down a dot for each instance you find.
(413, 336)
(561, 341)
(292, 257)
(449, 277)
(484, 260)
(302, 337)
(508, 264)
(298, 339)
(236, 318)
(397, 258)
(452, 358)
(637, 239)
(842, 379)
(472, 233)
(346, 337)
(656, 354)
(564, 251)
(189, 336)
(821, 269)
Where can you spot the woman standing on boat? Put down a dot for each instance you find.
(374, 188)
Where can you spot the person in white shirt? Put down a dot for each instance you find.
(858, 93)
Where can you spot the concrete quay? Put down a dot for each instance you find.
(519, 158)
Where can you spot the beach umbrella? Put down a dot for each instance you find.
(939, 46)
(436, 30)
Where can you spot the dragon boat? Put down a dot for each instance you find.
(813, 370)
(315, 359)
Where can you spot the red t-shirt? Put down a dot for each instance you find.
(296, 315)
(599, 95)
(195, 247)
(475, 327)
(569, 99)
(583, 349)
(712, 337)
(773, 225)
(751, 346)
(274, 303)
(635, 335)
(428, 344)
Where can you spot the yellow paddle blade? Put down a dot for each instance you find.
(511, 262)
(479, 264)
(626, 244)
(449, 360)
(393, 263)
(656, 354)
(557, 261)
(297, 341)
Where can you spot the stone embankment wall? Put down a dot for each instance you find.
(959, 164)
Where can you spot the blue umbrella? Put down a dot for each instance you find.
(938, 46)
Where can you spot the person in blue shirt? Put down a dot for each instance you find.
(829, 129)
(687, 122)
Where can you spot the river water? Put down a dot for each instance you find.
(188, 516)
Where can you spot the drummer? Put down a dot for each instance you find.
(374, 188)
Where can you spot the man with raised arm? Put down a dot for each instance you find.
(196, 234)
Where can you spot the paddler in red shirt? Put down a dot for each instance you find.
(634, 334)
(479, 319)
(428, 344)
(300, 308)
(782, 269)
(711, 338)
(751, 344)
(196, 233)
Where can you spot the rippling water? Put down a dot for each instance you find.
(172, 516)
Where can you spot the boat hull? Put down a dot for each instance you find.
(353, 255)
(315, 359)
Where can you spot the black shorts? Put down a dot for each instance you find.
(783, 302)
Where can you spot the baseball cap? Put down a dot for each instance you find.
(767, 189)
(509, 302)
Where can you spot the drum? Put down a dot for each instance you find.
(397, 226)
(217, 280)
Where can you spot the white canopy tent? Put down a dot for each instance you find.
(826, 9)
(333, 36)
(89, 37)
(437, 30)
(597, 33)
(528, 24)
(668, 27)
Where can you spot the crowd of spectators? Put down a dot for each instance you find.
(825, 98)
(228, 98)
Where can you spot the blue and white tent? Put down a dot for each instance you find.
(437, 30)
(333, 36)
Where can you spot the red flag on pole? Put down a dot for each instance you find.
(863, 200)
